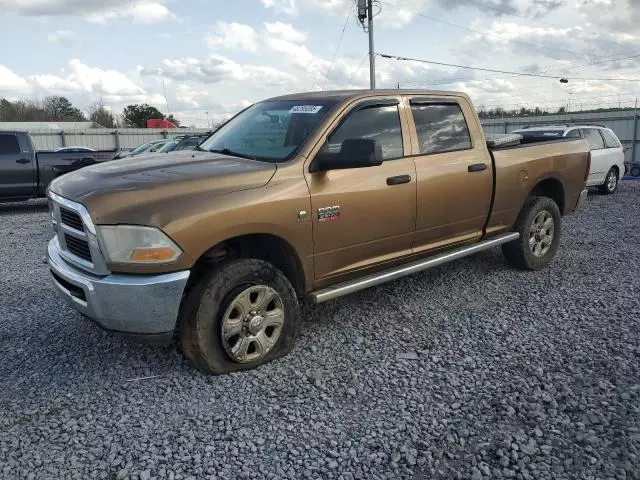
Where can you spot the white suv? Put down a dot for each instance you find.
(607, 154)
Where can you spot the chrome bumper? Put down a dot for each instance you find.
(582, 200)
(130, 304)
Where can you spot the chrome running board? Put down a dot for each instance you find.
(342, 289)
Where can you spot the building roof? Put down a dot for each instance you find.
(57, 126)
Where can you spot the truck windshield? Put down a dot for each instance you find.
(270, 131)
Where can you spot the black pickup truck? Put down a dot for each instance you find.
(25, 174)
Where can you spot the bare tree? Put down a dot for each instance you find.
(100, 114)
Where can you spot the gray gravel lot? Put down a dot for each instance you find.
(473, 370)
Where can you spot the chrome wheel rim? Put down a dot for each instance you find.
(252, 323)
(612, 181)
(541, 233)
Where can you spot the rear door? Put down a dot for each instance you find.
(17, 168)
(455, 174)
(615, 151)
(600, 157)
(364, 217)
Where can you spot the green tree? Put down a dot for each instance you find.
(136, 116)
(62, 110)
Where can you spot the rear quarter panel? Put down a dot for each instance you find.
(520, 169)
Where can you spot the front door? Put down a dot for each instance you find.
(17, 169)
(455, 176)
(363, 217)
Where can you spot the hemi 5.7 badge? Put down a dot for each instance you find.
(328, 213)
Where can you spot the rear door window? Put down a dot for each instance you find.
(440, 127)
(596, 142)
(574, 134)
(9, 144)
(610, 139)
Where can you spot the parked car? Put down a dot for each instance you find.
(75, 149)
(607, 153)
(302, 197)
(144, 148)
(25, 174)
(190, 142)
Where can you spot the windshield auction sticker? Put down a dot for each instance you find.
(305, 109)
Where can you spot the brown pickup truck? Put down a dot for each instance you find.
(304, 197)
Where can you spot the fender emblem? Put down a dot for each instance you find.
(329, 213)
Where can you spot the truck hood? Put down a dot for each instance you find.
(138, 190)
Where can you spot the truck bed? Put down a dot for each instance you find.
(519, 166)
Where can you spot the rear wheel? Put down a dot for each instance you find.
(242, 315)
(634, 171)
(539, 225)
(610, 184)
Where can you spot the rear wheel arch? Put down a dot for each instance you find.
(551, 188)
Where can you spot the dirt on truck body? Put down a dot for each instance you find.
(301, 197)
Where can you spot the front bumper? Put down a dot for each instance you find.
(135, 305)
(582, 199)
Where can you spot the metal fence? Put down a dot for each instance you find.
(623, 123)
(103, 138)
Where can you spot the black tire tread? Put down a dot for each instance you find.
(198, 328)
(518, 253)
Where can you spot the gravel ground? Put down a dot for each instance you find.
(473, 370)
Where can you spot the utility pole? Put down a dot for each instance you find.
(365, 11)
(372, 53)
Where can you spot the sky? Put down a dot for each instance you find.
(214, 57)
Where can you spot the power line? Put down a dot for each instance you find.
(520, 74)
(489, 34)
(451, 80)
(346, 22)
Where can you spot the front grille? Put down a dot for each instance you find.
(71, 219)
(79, 247)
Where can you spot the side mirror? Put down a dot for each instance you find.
(354, 153)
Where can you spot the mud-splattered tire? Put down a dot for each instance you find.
(243, 314)
(539, 225)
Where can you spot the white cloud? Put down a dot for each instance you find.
(140, 11)
(218, 69)
(83, 78)
(288, 7)
(65, 38)
(285, 31)
(11, 82)
(235, 36)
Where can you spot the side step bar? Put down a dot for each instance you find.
(346, 288)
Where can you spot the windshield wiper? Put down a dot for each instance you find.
(226, 151)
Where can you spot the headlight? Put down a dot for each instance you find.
(135, 244)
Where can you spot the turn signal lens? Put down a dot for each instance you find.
(155, 255)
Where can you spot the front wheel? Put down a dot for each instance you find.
(539, 225)
(610, 184)
(244, 314)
